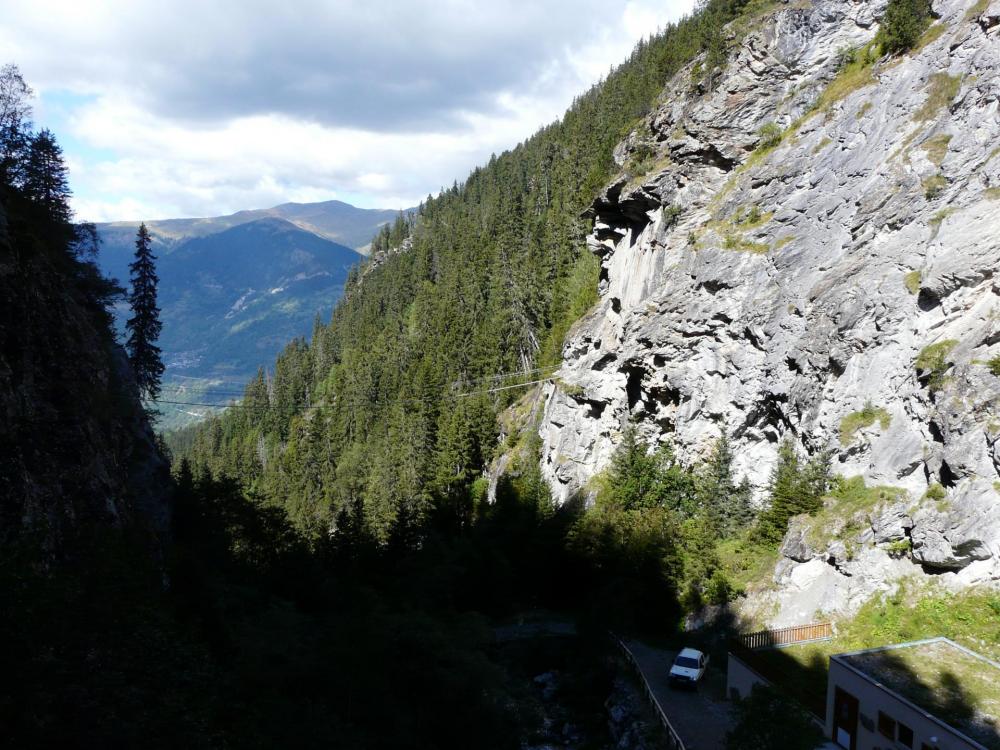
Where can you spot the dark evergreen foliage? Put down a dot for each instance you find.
(144, 326)
(901, 26)
(726, 503)
(797, 486)
(44, 179)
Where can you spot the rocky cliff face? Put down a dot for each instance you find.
(797, 242)
(76, 449)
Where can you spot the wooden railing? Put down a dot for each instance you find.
(818, 631)
(673, 739)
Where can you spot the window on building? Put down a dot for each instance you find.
(886, 726)
(904, 735)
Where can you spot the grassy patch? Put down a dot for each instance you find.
(938, 494)
(937, 148)
(863, 109)
(781, 242)
(993, 193)
(570, 389)
(994, 365)
(940, 216)
(752, 217)
(941, 89)
(841, 514)
(930, 36)
(976, 10)
(738, 243)
(641, 160)
(821, 145)
(856, 73)
(932, 362)
(912, 282)
(934, 186)
(857, 420)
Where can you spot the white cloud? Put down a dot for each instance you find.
(205, 108)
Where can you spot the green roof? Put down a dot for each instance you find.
(955, 685)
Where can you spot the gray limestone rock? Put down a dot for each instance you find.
(872, 235)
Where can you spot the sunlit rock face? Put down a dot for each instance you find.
(797, 284)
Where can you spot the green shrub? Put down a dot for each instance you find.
(932, 362)
(640, 160)
(846, 56)
(994, 365)
(912, 282)
(854, 421)
(899, 548)
(719, 590)
(903, 23)
(671, 215)
(770, 136)
(935, 492)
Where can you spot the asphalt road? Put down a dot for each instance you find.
(701, 717)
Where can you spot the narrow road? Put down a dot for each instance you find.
(701, 717)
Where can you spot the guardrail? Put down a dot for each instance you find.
(673, 739)
(818, 631)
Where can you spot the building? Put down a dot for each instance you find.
(924, 695)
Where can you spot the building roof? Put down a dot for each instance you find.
(948, 681)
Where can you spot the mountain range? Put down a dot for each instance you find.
(234, 289)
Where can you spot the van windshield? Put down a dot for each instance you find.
(687, 662)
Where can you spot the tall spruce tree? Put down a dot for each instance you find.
(725, 503)
(45, 179)
(796, 487)
(144, 325)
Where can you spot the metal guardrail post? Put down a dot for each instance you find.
(672, 735)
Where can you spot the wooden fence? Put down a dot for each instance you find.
(818, 631)
(673, 739)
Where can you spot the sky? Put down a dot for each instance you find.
(205, 107)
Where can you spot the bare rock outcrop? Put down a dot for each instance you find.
(774, 289)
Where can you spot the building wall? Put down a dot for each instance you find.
(871, 700)
(740, 679)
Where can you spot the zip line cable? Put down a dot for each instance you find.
(309, 407)
(461, 381)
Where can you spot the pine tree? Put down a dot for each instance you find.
(45, 178)
(724, 502)
(796, 487)
(144, 325)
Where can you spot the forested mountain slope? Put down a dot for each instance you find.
(791, 252)
(384, 409)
